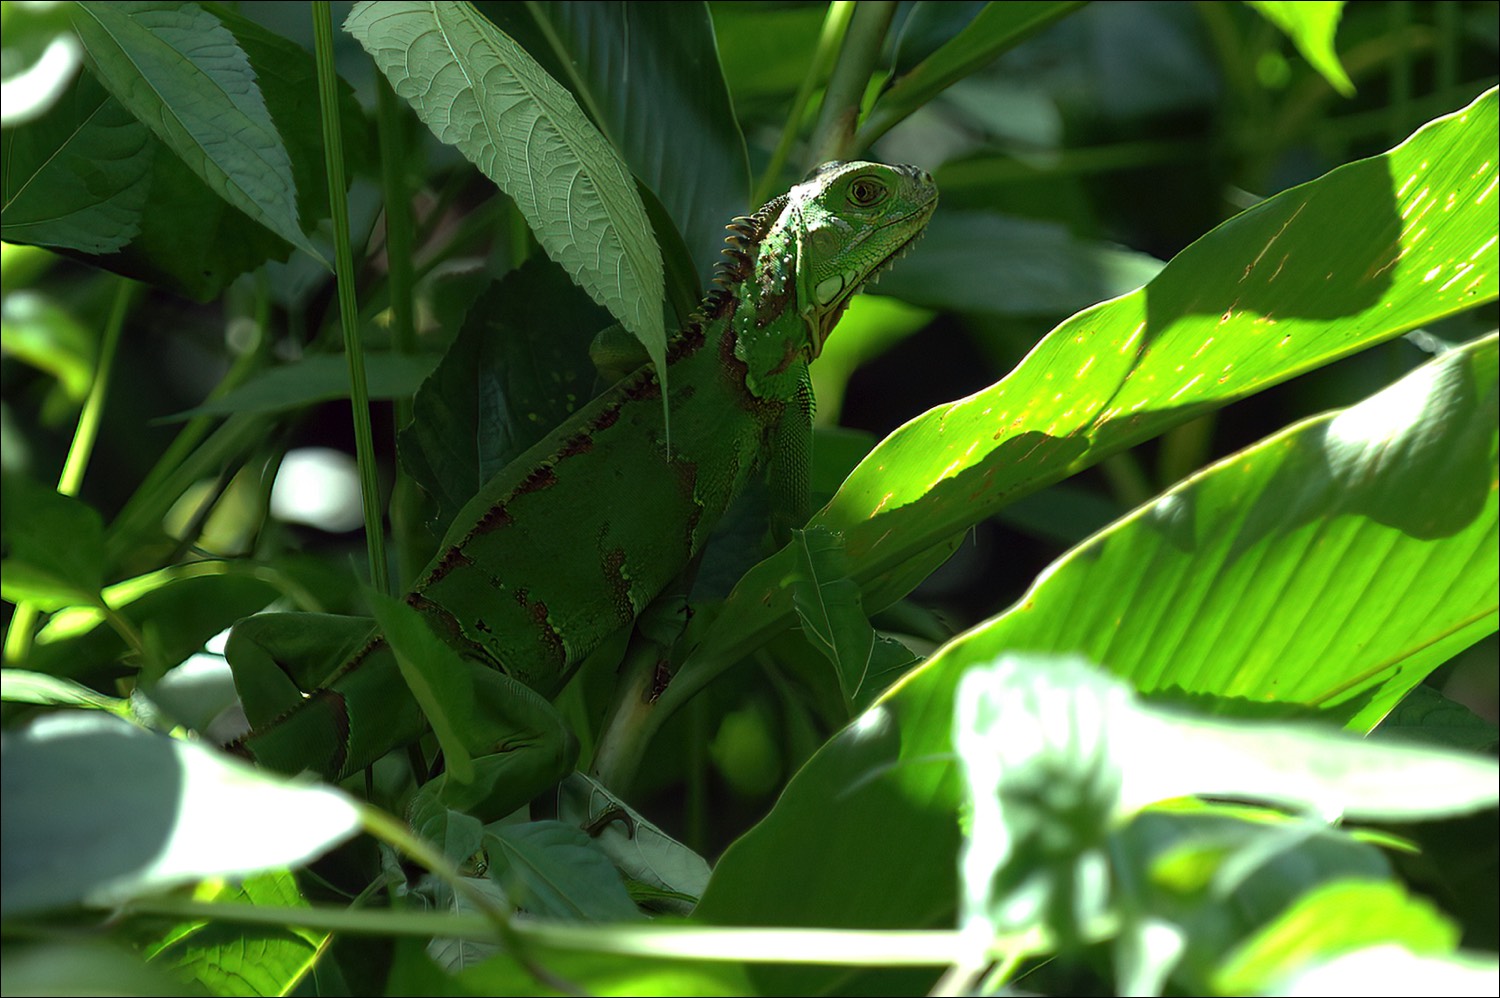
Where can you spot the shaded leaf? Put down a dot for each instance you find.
(318, 378)
(182, 73)
(1046, 270)
(637, 847)
(183, 605)
(554, 870)
(77, 177)
(994, 29)
(54, 546)
(518, 367)
(829, 609)
(436, 676)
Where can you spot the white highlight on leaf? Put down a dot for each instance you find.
(30, 93)
(318, 486)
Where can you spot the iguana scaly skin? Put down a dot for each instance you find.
(568, 543)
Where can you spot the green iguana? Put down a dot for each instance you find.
(569, 542)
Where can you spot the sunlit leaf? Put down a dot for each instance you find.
(1311, 27)
(1262, 554)
(98, 811)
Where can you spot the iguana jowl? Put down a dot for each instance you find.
(568, 543)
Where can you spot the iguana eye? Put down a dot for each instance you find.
(866, 192)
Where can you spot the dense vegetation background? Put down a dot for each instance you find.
(1307, 194)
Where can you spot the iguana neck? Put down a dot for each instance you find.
(754, 297)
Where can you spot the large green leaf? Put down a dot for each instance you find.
(649, 76)
(54, 545)
(183, 74)
(481, 92)
(1330, 566)
(98, 811)
(997, 27)
(77, 176)
(1370, 251)
(89, 178)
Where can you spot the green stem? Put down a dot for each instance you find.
(359, 394)
(1127, 479)
(1401, 76)
(627, 730)
(992, 31)
(834, 133)
(82, 449)
(837, 947)
(835, 24)
(399, 252)
(1184, 449)
(23, 623)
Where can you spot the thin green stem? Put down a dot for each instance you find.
(834, 133)
(359, 394)
(1401, 76)
(835, 24)
(71, 479)
(1184, 449)
(399, 252)
(23, 622)
(839, 947)
(1127, 479)
(992, 31)
(624, 735)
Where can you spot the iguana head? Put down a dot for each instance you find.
(850, 220)
(793, 266)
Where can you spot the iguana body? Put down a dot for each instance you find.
(568, 543)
